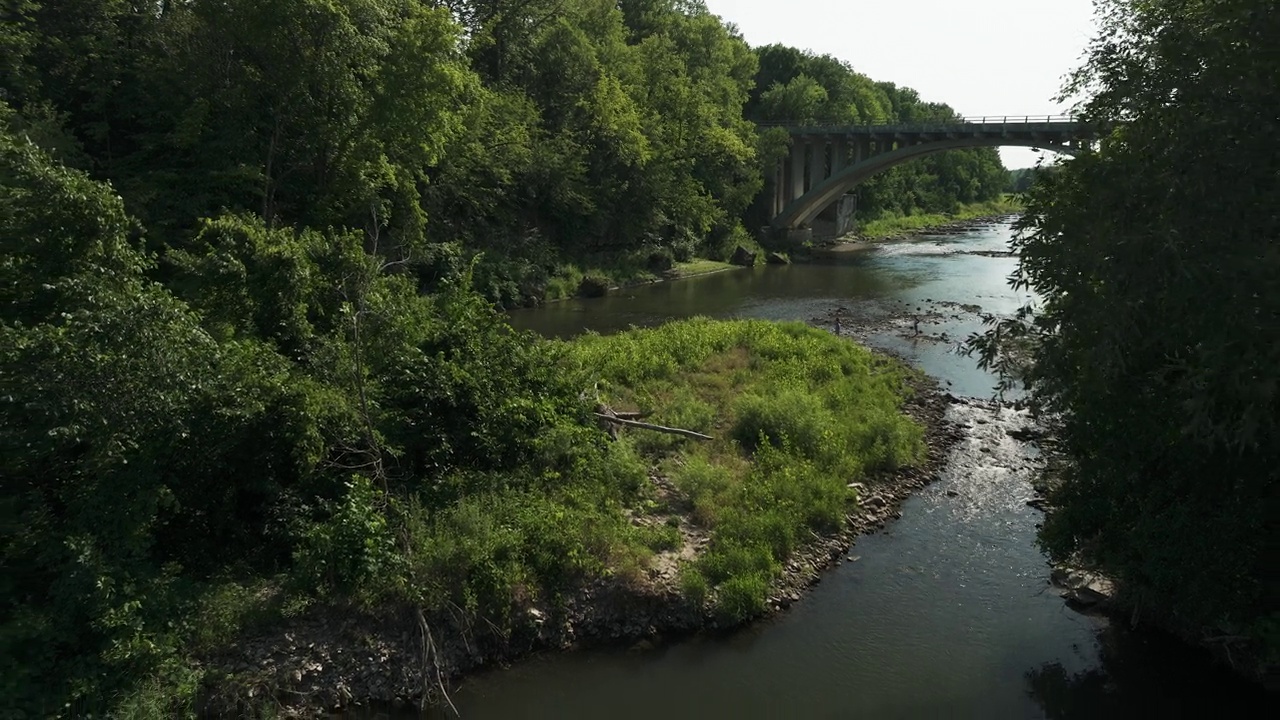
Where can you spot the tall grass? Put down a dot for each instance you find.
(797, 415)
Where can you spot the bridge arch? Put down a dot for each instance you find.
(801, 211)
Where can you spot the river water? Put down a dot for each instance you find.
(946, 613)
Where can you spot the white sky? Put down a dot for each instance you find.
(981, 57)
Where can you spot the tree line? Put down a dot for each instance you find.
(526, 130)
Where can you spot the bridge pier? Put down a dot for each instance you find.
(797, 169)
(817, 163)
(861, 150)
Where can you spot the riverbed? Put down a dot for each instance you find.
(946, 613)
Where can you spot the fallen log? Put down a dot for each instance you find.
(655, 428)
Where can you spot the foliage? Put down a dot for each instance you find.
(350, 549)
(127, 432)
(799, 415)
(1155, 346)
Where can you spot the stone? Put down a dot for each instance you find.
(875, 501)
(1060, 576)
(643, 646)
(593, 286)
(743, 256)
(1085, 597)
(777, 258)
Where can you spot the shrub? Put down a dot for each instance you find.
(660, 260)
(693, 586)
(742, 597)
(594, 284)
(351, 552)
(706, 484)
(793, 417)
(658, 538)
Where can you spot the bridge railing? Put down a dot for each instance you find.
(967, 120)
(1011, 119)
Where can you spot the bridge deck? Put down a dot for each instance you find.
(1057, 128)
(981, 125)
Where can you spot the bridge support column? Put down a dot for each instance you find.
(779, 188)
(817, 163)
(797, 169)
(846, 207)
(861, 150)
(839, 153)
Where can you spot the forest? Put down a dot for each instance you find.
(251, 355)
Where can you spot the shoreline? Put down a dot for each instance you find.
(338, 657)
(673, 275)
(856, 242)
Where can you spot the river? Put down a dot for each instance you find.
(946, 613)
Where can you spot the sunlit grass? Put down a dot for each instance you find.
(890, 225)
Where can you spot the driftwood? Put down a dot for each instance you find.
(620, 420)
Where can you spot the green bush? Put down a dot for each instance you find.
(705, 483)
(660, 260)
(658, 538)
(693, 586)
(792, 417)
(742, 597)
(352, 552)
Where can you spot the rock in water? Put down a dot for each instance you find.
(743, 256)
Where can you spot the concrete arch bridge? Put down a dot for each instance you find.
(826, 162)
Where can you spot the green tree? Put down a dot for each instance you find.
(1156, 345)
(131, 440)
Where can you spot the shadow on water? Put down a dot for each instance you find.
(1183, 683)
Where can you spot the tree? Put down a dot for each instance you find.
(1156, 346)
(131, 440)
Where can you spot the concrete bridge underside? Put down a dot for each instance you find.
(826, 163)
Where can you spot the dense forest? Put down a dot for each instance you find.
(1156, 351)
(249, 360)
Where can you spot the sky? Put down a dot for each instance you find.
(981, 57)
